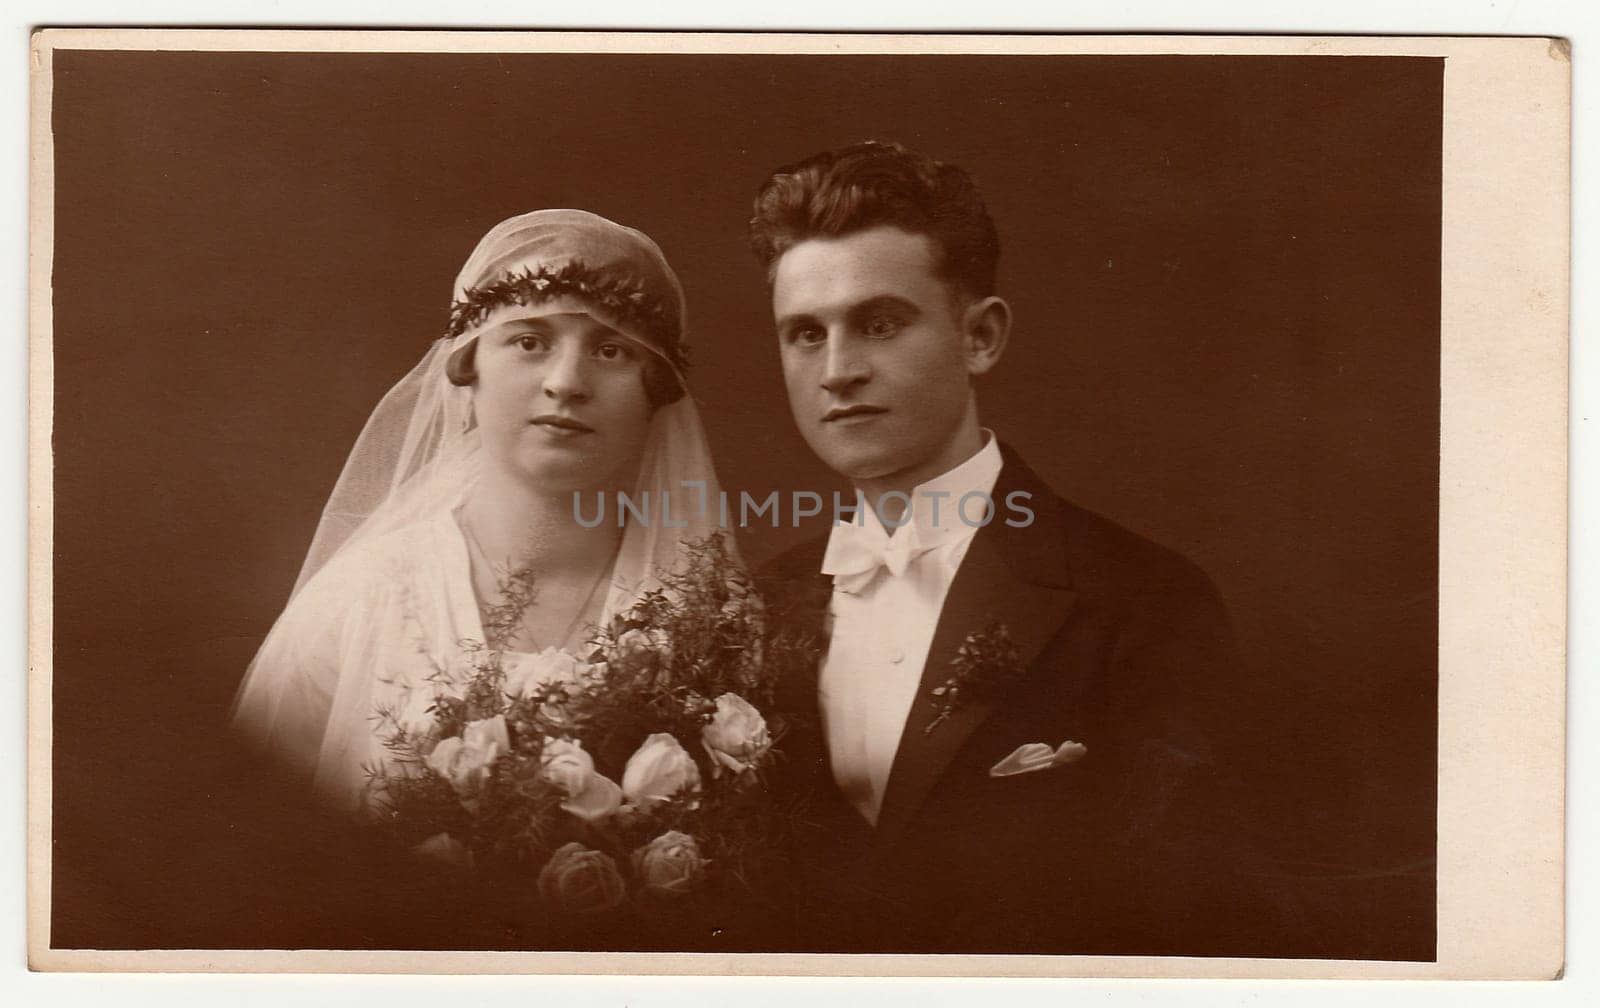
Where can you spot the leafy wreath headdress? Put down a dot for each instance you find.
(622, 298)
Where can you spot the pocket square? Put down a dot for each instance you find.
(1038, 756)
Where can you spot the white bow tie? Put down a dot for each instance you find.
(856, 553)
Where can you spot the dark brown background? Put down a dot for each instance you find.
(1225, 272)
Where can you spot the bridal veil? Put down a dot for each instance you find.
(375, 595)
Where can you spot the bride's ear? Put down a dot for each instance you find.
(462, 371)
(461, 366)
(662, 384)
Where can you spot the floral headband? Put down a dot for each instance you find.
(623, 299)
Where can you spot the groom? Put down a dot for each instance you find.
(1018, 726)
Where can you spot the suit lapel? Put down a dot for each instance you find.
(1017, 576)
(797, 597)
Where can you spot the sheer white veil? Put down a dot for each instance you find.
(419, 456)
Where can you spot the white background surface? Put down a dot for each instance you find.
(1467, 17)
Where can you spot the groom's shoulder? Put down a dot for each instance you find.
(792, 584)
(1102, 557)
(795, 565)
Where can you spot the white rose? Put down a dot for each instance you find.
(467, 761)
(670, 864)
(566, 765)
(590, 795)
(580, 880)
(736, 738)
(641, 642)
(488, 735)
(659, 770)
(550, 667)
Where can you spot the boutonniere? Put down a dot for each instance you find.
(986, 664)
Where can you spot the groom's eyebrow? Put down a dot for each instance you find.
(857, 313)
(862, 311)
(788, 322)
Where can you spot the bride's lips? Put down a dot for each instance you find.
(560, 426)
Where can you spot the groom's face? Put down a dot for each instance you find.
(873, 352)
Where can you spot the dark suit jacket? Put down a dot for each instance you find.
(1135, 848)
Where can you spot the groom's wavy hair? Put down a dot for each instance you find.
(873, 184)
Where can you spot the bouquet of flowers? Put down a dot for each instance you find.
(636, 772)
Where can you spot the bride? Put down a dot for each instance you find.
(561, 374)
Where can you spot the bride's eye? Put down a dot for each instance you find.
(530, 342)
(613, 352)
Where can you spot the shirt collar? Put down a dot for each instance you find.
(943, 494)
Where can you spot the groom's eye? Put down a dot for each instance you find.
(882, 325)
(807, 335)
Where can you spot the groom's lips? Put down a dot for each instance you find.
(846, 412)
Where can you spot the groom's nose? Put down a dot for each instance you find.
(843, 364)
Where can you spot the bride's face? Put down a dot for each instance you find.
(560, 397)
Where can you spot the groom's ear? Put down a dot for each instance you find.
(985, 330)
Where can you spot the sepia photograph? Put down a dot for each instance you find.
(927, 498)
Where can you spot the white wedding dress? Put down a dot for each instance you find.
(385, 609)
(401, 607)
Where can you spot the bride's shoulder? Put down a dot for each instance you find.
(383, 562)
(368, 596)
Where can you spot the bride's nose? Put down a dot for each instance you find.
(567, 375)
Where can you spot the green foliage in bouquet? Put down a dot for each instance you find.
(637, 770)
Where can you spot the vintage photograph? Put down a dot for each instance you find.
(896, 502)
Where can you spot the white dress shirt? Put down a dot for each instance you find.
(883, 625)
